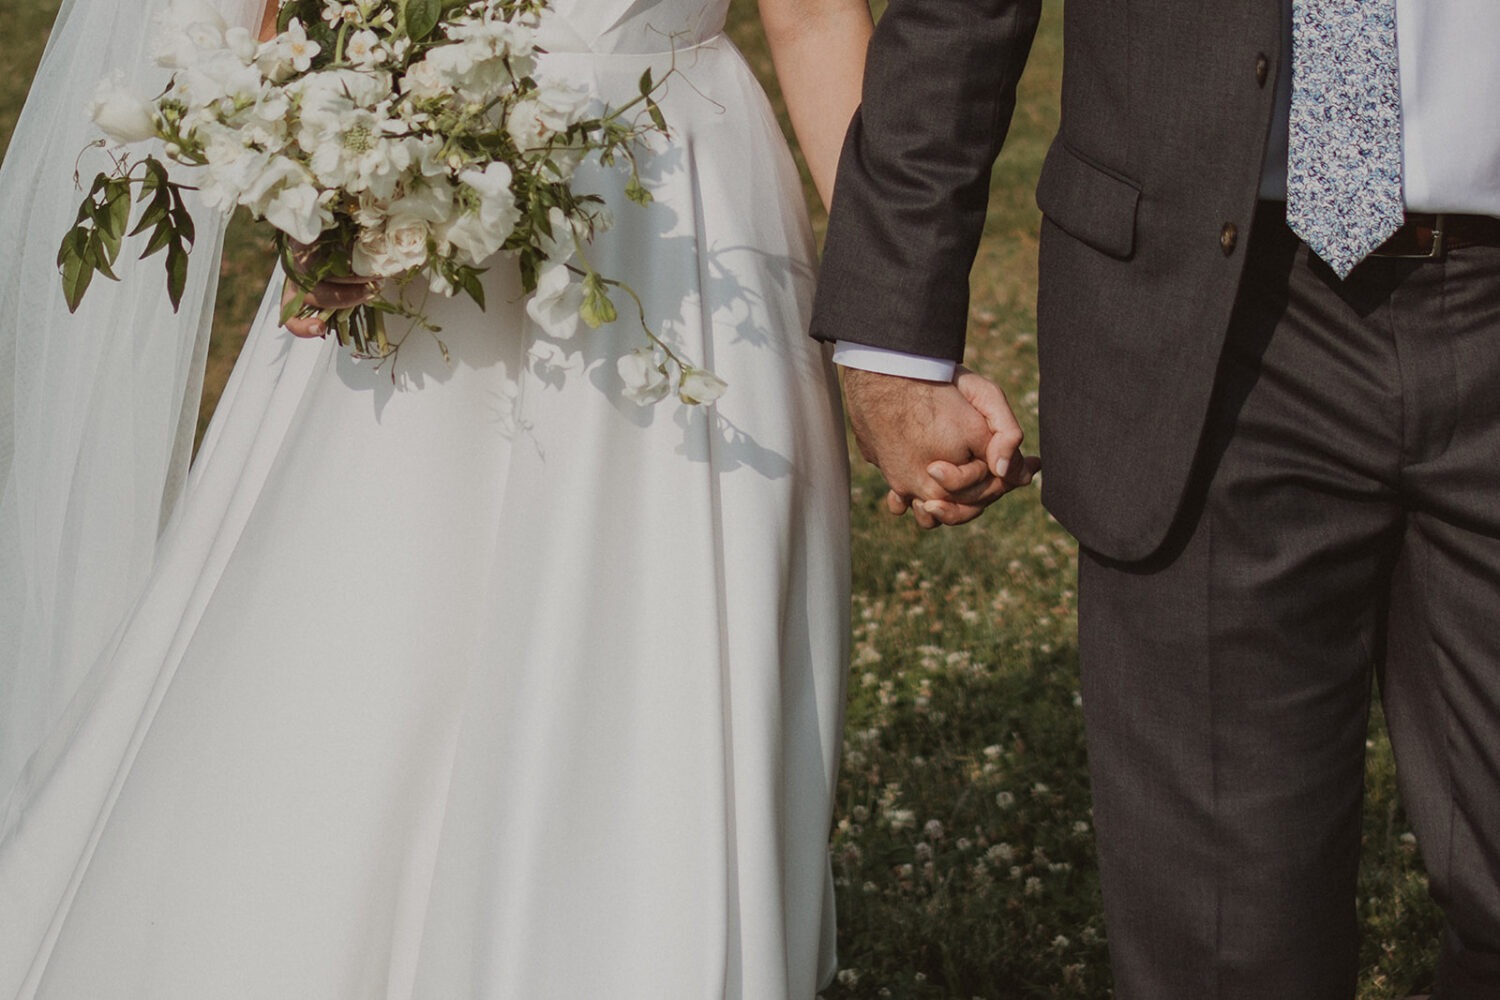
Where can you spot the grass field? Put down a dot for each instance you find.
(963, 849)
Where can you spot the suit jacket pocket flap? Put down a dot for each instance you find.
(1088, 202)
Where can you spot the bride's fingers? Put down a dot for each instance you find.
(307, 326)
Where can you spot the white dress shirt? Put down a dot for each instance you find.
(1450, 142)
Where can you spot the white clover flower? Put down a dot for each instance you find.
(555, 304)
(123, 116)
(645, 381)
(700, 386)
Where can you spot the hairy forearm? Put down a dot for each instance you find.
(818, 48)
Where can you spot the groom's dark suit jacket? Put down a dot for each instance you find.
(1148, 193)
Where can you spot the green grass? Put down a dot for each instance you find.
(963, 849)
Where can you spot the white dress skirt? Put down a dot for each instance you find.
(474, 679)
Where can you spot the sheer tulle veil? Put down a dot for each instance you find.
(97, 409)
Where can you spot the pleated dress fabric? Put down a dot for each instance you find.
(472, 678)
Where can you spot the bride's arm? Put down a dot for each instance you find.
(268, 22)
(818, 47)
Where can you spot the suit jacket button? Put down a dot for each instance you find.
(1262, 69)
(1228, 237)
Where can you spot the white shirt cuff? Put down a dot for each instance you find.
(888, 362)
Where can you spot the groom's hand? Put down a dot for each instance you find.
(947, 450)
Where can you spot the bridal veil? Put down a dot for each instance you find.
(97, 408)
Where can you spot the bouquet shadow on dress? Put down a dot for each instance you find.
(399, 142)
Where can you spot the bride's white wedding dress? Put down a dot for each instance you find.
(474, 679)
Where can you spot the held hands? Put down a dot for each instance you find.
(947, 450)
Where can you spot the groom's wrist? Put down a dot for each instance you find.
(887, 362)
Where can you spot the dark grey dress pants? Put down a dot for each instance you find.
(1343, 524)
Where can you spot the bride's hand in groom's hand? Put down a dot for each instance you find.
(910, 428)
(1003, 458)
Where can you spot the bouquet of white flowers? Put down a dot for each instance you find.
(397, 140)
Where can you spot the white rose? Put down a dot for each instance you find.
(386, 252)
(700, 386)
(554, 306)
(423, 80)
(406, 238)
(124, 117)
(645, 382)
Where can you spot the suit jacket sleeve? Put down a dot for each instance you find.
(913, 178)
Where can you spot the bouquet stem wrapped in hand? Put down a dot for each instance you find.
(385, 141)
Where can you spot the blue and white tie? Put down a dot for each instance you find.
(1343, 189)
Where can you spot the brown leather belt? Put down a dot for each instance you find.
(1432, 236)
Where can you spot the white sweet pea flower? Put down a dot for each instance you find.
(185, 29)
(484, 228)
(431, 201)
(554, 306)
(285, 196)
(645, 381)
(124, 117)
(561, 104)
(700, 386)
(242, 44)
(300, 213)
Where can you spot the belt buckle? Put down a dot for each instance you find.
(1436, 252)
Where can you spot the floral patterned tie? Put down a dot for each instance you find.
(1344, 165)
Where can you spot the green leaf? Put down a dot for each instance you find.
(468, 280)
(77, 273)
(176, 274)
(96, 254)
(293, 306)
(646, 86)
(657, 118)
(422, 17)
(159, 239)
(154, 215)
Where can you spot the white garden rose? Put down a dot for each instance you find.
(395, 249)
(645, 381)
(124, 117)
